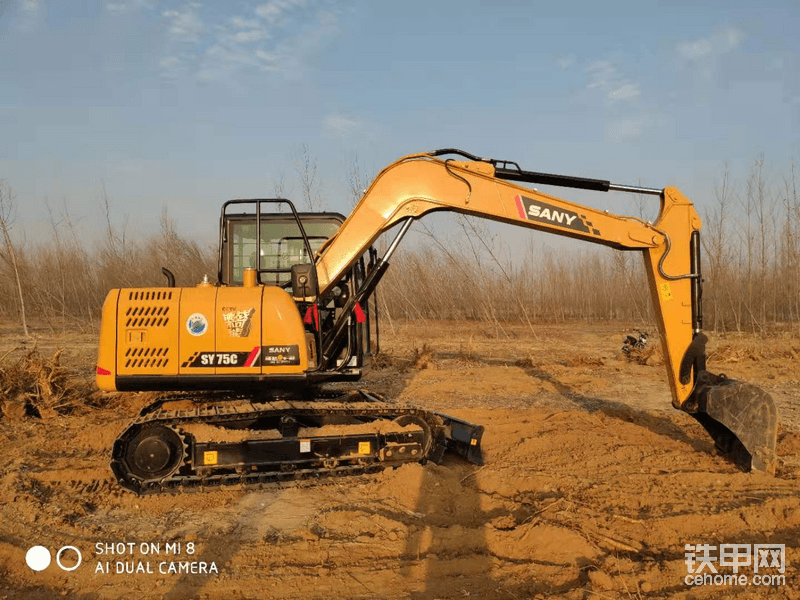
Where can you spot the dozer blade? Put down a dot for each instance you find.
(463, 438)
(742, 419)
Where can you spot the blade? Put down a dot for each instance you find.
(742, 419)
(463, 437)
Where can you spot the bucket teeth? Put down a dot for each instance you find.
(742, 419)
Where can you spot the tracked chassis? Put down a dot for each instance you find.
(159, 453)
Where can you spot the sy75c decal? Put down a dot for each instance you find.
(266, 356)
(534, 210)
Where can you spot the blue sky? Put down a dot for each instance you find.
(185, 104)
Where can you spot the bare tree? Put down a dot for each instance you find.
(791, 246)
(763, 208)
(115, 241)
(279, 186)
(356, 181)
(62, 271)
(7, 209)
(715, 245)
(306, 167)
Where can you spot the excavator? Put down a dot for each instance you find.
(253, 368)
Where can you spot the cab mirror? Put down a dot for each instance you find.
(304, 280)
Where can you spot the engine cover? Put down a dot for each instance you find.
(203, 337)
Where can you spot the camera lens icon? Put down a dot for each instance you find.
(38, 558)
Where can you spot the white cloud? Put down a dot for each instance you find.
(243, 31)
(243, 23)
(271, 48)
(624, 92)
(340, 125)
(29, 15)
(277, 36)
(625, 130)
(620, 96)
(170, 62)
(122, 6)
(185, 24)
(564, 61)
(274, 10)
(600, 73)
(222, 60)
(176, 63)
(719, 43)
(253, 35)
(269, 61)
(605, 76)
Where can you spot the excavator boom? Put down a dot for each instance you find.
(742, 419)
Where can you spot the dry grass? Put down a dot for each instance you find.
(651, 355)
(35, 385)
(382, 361)
(423, 358)
(584, 361)
(734, 353)
(528, 362)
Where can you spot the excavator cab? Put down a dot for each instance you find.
(286, 243)
(282, 243)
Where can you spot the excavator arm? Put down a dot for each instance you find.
(741, 418)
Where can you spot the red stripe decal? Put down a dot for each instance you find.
(252, 356)
(102, 371)
(360, 316)
(521, 208)
(312, 316)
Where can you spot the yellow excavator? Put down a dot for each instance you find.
(249, 365)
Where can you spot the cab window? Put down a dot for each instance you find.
(282, 246)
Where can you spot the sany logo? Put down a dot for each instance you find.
(278, 349)
(551, 215)
(535, 210)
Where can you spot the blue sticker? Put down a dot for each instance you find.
(197, 324)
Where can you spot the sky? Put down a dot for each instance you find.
(179, 106)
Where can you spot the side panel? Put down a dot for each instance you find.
(197, 331)
(200, 338)
(238, 330)
(147, 327)
(283, 339)
(106, 354)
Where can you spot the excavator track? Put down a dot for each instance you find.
(159, 453)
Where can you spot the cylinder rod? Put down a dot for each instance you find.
(615, 187)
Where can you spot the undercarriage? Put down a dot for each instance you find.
(185, 442)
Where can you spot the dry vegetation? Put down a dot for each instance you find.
(65, 280)
(33, 384)
(751, 267)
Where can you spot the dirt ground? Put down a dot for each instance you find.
(592, 486)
